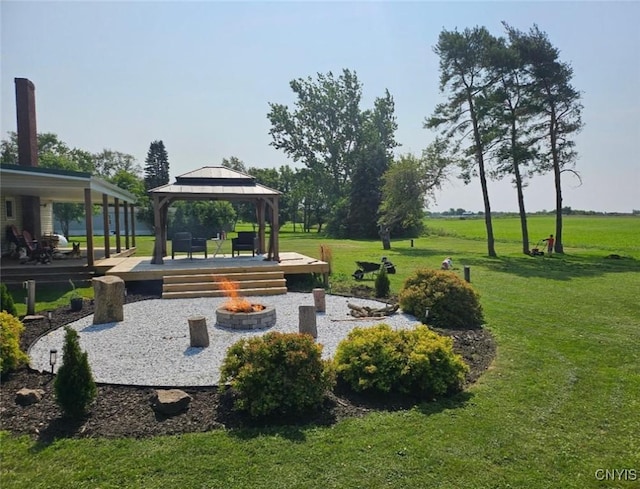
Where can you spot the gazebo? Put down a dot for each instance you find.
(216, 183)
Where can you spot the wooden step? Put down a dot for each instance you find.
(220, 293)
(219, 277)
(43, 275)
(248, 284)
(209, 284)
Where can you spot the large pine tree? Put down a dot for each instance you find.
(464, 57)
(156, 170)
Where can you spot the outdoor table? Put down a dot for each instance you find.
(217, 242)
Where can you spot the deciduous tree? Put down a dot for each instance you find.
(332, 136)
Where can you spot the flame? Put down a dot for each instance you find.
(234, 302)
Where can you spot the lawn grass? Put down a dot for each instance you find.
(560, 401)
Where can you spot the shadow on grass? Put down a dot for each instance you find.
(560, 267)
(344, 404)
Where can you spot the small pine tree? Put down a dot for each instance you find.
(6, 301)
(74, 386)
(383, 285)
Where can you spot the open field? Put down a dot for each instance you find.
(558, 407)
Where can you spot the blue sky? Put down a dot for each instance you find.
(200, 76)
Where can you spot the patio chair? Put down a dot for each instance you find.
(246, 241)
(185, 243)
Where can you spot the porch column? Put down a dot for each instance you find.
(125, 211)
(88, 218)
(105, 220)
(133, 226)
(116, 210)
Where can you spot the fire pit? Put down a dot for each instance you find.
(239, 313)
(264, 318)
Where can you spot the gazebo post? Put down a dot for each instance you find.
(275, 229)
(164, 214)
(157, 248)
(260, 208)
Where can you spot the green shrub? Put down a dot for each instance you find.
(278, 373)
(6, 301)
(11, 356)
(383, 285)
(450, 301)
(74, 386)
(417, 362)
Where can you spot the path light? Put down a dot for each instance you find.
(53, 357)
(49, 317)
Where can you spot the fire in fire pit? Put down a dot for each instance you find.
(238, 313)
(235, 303)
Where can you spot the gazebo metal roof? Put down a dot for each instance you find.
(215, 182)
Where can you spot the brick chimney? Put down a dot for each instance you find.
(26, 113)
(28, 149)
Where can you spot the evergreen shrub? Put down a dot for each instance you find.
(6, 301)
(277, 374)
(383, 285)
(11, 356)
(74, 386)
(442, 299)
(416, 362)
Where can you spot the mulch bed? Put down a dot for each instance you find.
(125, 411)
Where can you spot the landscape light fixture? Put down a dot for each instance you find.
(53, 357)
(49, 317)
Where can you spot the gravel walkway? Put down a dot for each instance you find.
(151, 346)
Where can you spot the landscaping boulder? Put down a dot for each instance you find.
(26, 397)
(108, 292)
(170, 401)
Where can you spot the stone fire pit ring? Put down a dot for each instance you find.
(263, 319)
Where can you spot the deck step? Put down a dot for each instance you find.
(219, 277)
(44, 275)
(242, 285)
(219, 293)
(210, 285)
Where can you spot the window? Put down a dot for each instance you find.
(10, 209)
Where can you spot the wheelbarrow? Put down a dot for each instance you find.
(367, 268)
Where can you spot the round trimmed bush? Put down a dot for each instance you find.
(450, 301)
(416, 362)
(11, 356)
(277, 374)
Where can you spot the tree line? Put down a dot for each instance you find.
(509, 111)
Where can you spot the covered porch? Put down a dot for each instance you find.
(33, 190)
